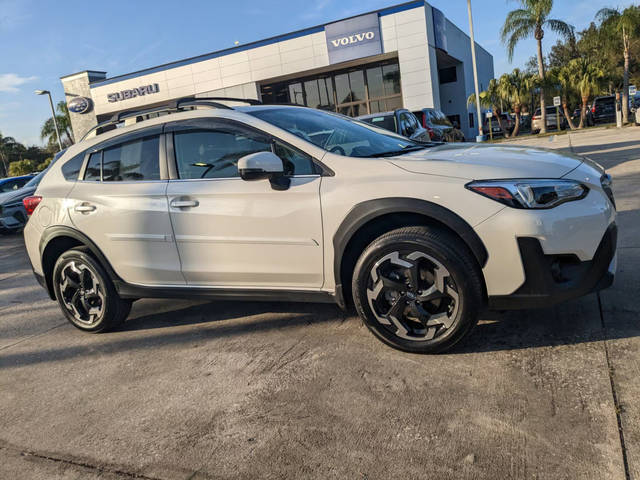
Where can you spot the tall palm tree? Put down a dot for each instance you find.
(516, 87)
(491, 98)
(587, 77)
(563, 78)
(48, 130)
(627, 24)
(530, 20)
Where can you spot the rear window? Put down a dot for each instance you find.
(71, 168)
(388, 122)
(134, 160)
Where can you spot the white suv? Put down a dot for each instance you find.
(295, 204)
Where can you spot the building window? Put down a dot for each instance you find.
(448, 75)
(471, 122)
(356, 91)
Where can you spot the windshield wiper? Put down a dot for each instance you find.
(392, 153)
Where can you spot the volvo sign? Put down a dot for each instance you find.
(132, 93)
(353, 38)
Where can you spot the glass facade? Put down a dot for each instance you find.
(355, 91)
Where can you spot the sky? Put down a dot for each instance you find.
(42, 40)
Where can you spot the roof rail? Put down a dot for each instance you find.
(174, 105)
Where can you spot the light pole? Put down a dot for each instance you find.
(475, 69)
(53, 112)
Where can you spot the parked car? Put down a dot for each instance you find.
(259, 203)
(603, 109)
(13, 215)
(577, 113)
(507, 123)
(438, 125)
(399, 121)
(13, 183)
(552, 120)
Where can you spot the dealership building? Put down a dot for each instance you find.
(404, 56)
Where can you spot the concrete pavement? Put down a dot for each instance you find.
(236, 391)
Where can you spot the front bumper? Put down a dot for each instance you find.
(551, 279)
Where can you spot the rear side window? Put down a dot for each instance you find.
(92, 173)
(214, 153)
(130, 161)
(71, 168)
(388, 122)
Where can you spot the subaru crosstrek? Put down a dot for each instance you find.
(295, 204)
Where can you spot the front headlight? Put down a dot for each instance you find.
(533, 193)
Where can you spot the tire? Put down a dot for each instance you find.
(86, 294)
(431, 314)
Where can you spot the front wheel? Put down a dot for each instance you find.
(418, 289)
(86, 294)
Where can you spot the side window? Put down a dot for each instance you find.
(295, 162)
(92, 173)
(134, 160)
(214, 153)
(8, 186)
(71, 168)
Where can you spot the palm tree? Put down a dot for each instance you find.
(529, 20)
(491, 98)
(627, 24)
(587, 77)
(564, 81)
(516, 87)
(48, 130)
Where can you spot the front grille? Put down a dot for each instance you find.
(605, 181)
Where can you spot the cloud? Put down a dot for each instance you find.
(9, 82)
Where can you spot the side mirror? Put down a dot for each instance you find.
(264, 165)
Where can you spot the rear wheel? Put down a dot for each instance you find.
(86, 294)
(418, 289)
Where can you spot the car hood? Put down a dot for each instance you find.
(474, 162)
(16, 195)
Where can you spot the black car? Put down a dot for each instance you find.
(400, 121)
(603, 109)
(438, 125)
(13, 215)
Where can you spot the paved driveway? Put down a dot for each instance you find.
(191, 390)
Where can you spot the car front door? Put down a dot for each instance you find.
(236, 233)
(120, 203)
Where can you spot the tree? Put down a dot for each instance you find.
(48, 130)
(491, 98)
(587, 77)
(21, 167)
(516, 87)
(7, 145)
(626, 24)
(563, 78)
(530, 20)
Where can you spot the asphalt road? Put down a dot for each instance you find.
(189, 390)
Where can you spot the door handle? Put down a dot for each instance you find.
(85, 208)
(180, 203)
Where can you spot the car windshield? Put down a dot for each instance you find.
(337, 133)
(439, 118)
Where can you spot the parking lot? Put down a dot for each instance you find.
(190, 390)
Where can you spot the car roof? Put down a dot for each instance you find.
(373, 115)
(3, 180)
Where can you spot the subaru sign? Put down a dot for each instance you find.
(353, 38)
(79, 105)
(133, 92)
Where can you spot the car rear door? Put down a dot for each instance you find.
(120, 203)
(236, 233)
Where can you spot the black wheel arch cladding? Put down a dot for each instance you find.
(365, 213)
